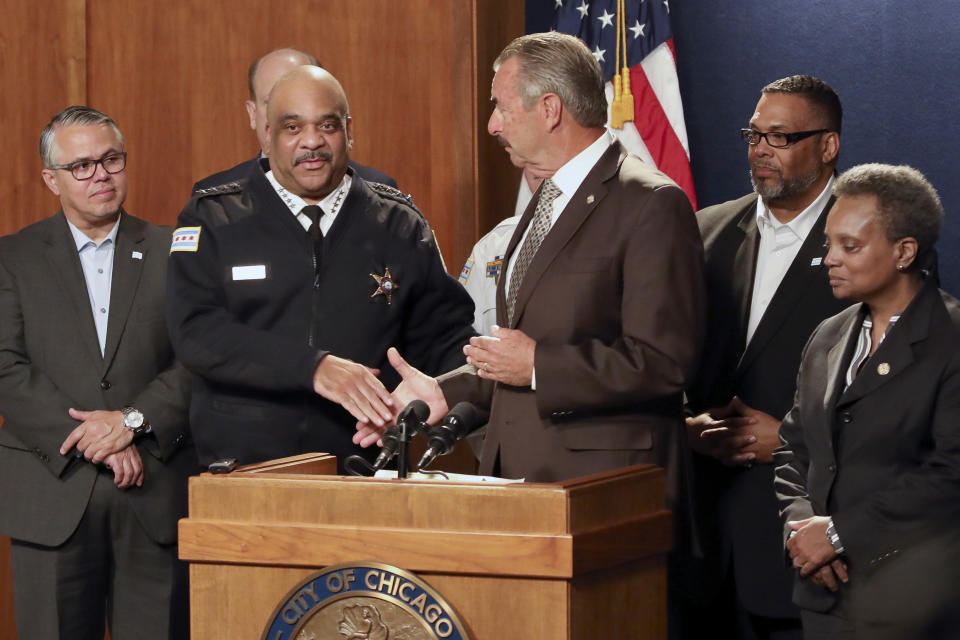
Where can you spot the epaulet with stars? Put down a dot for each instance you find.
(220, 189)
(392, 193)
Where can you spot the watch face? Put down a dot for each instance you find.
(133, 420)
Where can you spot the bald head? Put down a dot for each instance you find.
(309, 132)
(306, 83)
(262, 75)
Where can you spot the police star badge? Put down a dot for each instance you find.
(386, 285)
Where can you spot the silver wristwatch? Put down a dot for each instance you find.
(834, 538)
(134, 420)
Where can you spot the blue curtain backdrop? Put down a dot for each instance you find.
(895, 65)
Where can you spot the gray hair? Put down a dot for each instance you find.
(558, 63)
(77, 115)
(908, 205)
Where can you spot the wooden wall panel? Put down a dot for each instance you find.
(42, 60)
(174, 77)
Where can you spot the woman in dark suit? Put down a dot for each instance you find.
(868, 475)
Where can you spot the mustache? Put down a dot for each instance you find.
(764, 165)
(313, 155)
(503, 141)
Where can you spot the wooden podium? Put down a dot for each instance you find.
(582, 559)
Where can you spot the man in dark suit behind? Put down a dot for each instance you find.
(767, 291)
(601, 307)
(262, 75)
(94, 449)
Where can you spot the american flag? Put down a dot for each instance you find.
(657, 133)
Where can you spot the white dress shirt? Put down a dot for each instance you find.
(296, 204)
(568, 179)
(96, 260)
(780, 243)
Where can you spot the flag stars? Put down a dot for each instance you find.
(637, 29)
(598, 53)
(606, 20)
(584, 9)
(559, 4)
(666, 5)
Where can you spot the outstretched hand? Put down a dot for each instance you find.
(355, 388)
(414, 385)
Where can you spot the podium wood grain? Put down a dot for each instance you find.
(577, 560)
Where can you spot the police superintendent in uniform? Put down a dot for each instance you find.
(285, 312)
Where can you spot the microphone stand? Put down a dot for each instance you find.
(404, 445)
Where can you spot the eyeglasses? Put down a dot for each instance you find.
(84, 169)
(777, 139)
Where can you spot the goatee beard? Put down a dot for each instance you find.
(784, 188)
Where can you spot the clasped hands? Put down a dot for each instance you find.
(813, 555)
(506, 356)
(102, 438)
(736, 434)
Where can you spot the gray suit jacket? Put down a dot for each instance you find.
(614, 299)
(50, 361)
(882, 457)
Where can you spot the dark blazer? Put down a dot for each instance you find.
(739, 505)
(243, 169)
(614, 300)
(882, 457)
(50, 361)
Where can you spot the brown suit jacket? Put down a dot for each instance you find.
(614, 299)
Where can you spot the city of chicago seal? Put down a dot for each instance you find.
(364, 600)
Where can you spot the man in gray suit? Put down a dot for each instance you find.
(94, 449)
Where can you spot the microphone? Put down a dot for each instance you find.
(462, 419)
(411, 420)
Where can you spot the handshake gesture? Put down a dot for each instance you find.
(356, 388)
(507, 357)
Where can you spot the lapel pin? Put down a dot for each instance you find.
(136, 255)
(816, 262)
(386, 285)
(883, 368)
(590, 199)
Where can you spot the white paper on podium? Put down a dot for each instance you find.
(452, 477)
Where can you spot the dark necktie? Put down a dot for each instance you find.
(539, 227)
(314, 212)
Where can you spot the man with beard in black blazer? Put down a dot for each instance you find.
(262, 75)
(767, 290)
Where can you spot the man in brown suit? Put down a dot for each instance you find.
(601, 309)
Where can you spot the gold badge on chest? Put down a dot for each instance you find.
(386, 285)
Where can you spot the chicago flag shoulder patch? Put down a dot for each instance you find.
(185, 239)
